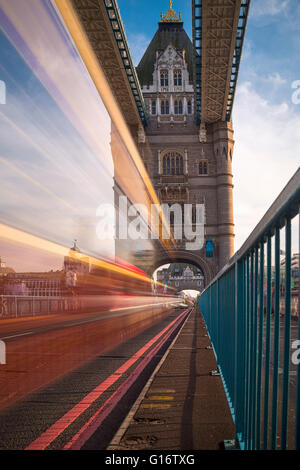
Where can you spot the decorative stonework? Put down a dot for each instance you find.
(206, 177)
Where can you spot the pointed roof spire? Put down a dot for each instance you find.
(170, 16)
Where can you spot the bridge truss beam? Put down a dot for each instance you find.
(218, 36)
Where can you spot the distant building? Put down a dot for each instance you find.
(4, 271)
(48, 284)
(182, 277)
(75, 266)
(294, 271)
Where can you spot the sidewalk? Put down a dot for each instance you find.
(183, 407)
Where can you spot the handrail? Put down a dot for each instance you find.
(288, 198)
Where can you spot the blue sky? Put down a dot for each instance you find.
(265, 119)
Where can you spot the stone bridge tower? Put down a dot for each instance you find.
(186, 166)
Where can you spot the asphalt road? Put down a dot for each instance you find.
(59, 377)
(42, 349)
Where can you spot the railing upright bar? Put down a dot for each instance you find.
(248, 346)
(255, 323)
(241, 354)
(260, 344)
(297, 434)
(276, 340)
(268, 343)
(236, 349)
(217, 316)
(287, 335)
(251, 324)
(232, 308)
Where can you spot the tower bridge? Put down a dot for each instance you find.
(179, 111)
(83, 126)
(178, 103)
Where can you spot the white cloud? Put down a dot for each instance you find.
(267, 138)
(275, 79)
(269, 7)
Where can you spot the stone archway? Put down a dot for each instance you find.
(180, 256)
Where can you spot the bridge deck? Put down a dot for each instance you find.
(182, 406)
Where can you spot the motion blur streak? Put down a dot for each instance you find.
(66, 296)
(61, 73)
(57, 428)
(36, 183)
(79, 37)
(18, 236)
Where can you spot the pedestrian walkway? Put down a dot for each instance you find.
(183, 406)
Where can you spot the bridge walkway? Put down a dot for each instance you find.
(183, 406)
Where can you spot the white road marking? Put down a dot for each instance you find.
(16, 336)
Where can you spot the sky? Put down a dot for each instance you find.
(266, 114)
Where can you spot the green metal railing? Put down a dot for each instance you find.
(250, 320)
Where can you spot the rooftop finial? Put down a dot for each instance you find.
(170, 16)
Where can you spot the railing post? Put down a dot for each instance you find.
(255, 328)
(260, 342)
(297, 436)
(287, 335)
(252, 351)
(276, 340)
(247, 357)
(268, 343)
(240, 350)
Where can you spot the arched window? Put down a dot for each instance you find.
(172, 164)
(164, 78)
(153, 107)
(189, 107)
(177, 78)
(209, 248)
(203, 167)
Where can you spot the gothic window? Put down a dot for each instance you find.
(172, 164)
(171, 218)
(153, 107)
(189, 106)
(177, 78)
(178, 107)
(164, 79)
(164, 107)
(203, 167)
(167, 107)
